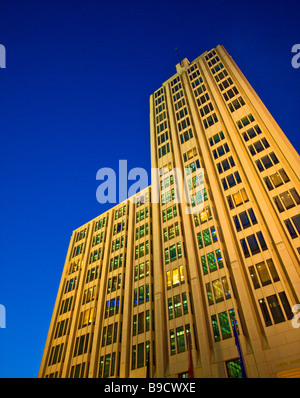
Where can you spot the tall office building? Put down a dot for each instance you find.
(150, 289)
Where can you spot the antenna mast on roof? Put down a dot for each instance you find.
(178, 55)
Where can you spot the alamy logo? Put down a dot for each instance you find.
(183, 187)
(2, 317)
(295, 322)
(2, 56)
(296, 58)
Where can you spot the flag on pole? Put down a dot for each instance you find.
(237, 343)
(148, 364)
(191, 367)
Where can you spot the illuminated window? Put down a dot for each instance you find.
(218, 291)
(175, 277)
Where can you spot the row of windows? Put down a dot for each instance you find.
(74, 266)
(225, 84)
(120, 212)
(107, 365)
(141, 294)
(118, 243)
(70, 284)
(89, 295)
(173, 252)
(251, 242)
(216, 138)
(86, 318)
(291, 224)
(182, 112)
(112, 307)
(217, 290)
(117, 262)
(212, 261)
(160, 108)
(161, 117)
(203, 217)
(231, 180)
(141, 200)
(140, 354)
(81, 235)
(230, 93)
(109, 334)
(78, 250)
(101, 223)
(141, 323)
(207, 237)
(61, 328)
(177, 306)
(206, 109)
(162, 151)
(92, 274)
(66, 305)
(179, 339)
(266, 161)
(96, 255)
(198, 90)
(274, 306)
(192, 167)
(213, 61)
(161, 127)
(286, 200)
(217, 68)
(77, 371)
(118, 227)
(178, 95)
(244, 220)
(224, 322)
(225, 164)
(172, 231)
(168, 196)
(159, 100)
(175, 277)
(166, 182)
(114, 283)
(245, 121)
(220, 150)
(143, 249)
(251, 133)
(237, 198)
(142, 270)
(196, 181)
(162, 138)
(263, 269)
(276, 179)
(98, 239)
(210, 120)
(199, 197)
(184, 137)
(189, 154)
(142, 214)
(236, 104)
(258, 146)
(169, 213)
(221, 75)
(56, 354)
(142, 231)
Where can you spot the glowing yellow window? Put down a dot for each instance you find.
(237, 198)
(175, 277)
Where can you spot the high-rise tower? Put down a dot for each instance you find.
(143, 279)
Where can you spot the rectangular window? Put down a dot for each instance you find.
(275, 309)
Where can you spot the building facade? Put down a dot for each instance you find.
(147, 284)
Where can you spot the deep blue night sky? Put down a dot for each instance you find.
(75, 98)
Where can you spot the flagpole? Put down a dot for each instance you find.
(191, 367)
(237, 343)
